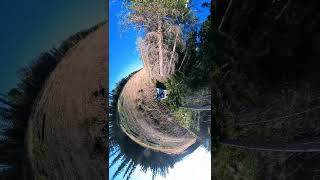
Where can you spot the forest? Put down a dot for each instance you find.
(265, 85)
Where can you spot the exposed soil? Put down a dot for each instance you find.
(65, 137)
(149, 122)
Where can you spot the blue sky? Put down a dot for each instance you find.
(31, 27)
(197, 165)
(123, 53)
(123, 60)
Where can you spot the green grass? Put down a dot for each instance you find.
(184, 118)
(188, 119)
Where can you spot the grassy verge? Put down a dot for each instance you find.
(184, 118)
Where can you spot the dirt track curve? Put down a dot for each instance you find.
(149, 122)
(65, 130)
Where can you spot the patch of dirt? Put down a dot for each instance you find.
(65, 134)
(149, 122)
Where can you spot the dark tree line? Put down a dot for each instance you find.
(17, 105)
(263, 68)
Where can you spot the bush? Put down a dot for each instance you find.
(177, 88)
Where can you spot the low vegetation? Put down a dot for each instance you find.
(185, 118)
(177, 88)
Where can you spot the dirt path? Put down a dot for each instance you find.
(64, 135)
(149, 122)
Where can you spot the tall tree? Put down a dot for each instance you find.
(162, 22)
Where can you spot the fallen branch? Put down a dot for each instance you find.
(293, 147)
(278, 118)
(282, 10)
(226, 15)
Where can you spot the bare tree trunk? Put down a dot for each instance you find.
(160, 37)
(226, 15)
(184, 58)
(146, 65)
(172, 53)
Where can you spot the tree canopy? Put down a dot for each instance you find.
(163, 24)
